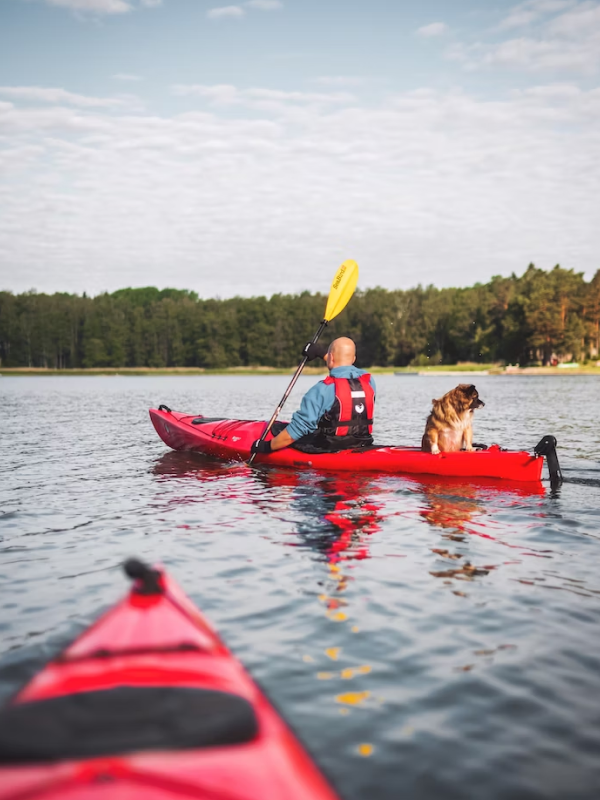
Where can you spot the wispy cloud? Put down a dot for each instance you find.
(265, 5)
(239, 11)
(424, 186)
(267, 99)
(340, 80)
(94, 6)
(59, 96)
(531, 11)
(126, 76)
(434, 29)
(566, 37)
(102, 7)
(225, 12)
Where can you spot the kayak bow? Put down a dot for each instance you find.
(149, 703)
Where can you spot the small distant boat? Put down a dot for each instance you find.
(455, 372)
(406, 373)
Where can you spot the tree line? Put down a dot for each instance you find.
(525, 319)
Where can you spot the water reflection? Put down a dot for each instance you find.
(335, 516)
(462, 510)
(460, 507)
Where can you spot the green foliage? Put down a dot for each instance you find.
(516, 320)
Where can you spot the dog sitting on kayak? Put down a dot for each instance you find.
(449, 427)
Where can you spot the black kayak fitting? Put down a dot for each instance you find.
(547, 447)
(163, 407)
(148, 578)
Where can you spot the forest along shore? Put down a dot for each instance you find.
(538, 318)
(458, 370)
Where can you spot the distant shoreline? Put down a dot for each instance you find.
(474, 370)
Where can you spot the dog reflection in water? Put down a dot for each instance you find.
(449, 427)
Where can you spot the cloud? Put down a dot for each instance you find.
(568, 41)
(263, 190)
(537, 55)
(237, 12)
(57, 96)
(434, 29)
(126, 76)
(265, 5)
(340, 80)
(151, 3)
(220, 94)
(581, 22)
(528, 12)
(94, 6)
(518, 17)
(223, 12)
(273, 99)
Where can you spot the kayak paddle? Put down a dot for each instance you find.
(341, 291)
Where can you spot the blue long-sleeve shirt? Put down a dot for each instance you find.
(319, 399)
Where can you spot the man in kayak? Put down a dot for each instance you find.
(336, 413)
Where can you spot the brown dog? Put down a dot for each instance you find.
(449, 426)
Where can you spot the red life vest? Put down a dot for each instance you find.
(352, 411)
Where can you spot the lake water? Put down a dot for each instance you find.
(346, 596)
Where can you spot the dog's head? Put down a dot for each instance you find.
(468, 396)
(464, 397)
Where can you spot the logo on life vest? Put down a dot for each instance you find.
(359, 408)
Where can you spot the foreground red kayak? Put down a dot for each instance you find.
(149, 703)
(231, 439)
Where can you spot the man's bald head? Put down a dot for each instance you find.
(341, 353)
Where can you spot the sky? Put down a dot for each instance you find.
(250, 148)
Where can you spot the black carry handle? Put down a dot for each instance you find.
(147, 577)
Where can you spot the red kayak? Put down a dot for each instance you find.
(149, 703)
(231, 439)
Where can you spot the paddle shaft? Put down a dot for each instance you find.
(288, 391)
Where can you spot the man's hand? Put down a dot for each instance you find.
(261, 446)
(312, 351)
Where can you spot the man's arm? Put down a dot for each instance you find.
(315, 403)
(283, 439)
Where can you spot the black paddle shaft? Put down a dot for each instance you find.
(288, 391)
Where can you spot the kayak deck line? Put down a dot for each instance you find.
(231, 440)
(149, 703)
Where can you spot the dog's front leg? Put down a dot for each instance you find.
(433, 440)
(468, 439)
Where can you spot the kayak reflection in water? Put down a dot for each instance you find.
(336, 413)
(336, 516)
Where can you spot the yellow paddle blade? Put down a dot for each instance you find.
(342, 289)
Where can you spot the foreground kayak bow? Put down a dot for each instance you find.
(149, 703)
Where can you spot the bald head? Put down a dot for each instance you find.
(341, 353)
